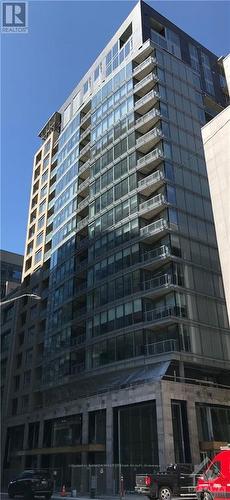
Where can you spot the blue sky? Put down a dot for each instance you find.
(42, 67)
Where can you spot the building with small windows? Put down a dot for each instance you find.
(126, 356)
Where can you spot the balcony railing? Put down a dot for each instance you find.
(84, 150)
(161, 347)
(146, 81)
(84, 166)
(154, 113)
(149, 137)
(153, 178)
(164, 280)
(165, 312)
(83, 185)
(153, 228)
(150, 157)
(84, 203)
(86, 117)
(152, 95)
(82, 223)
(150, 61)
(154, 202)
(85, 133)
(162, 251)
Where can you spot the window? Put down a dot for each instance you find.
(86, 87)
(41, 222)
(66, 116)
(96, 73)
(42, 206)
(46, 162)
(43, 191)
(47, 147)
(27, 377)
(39, 239)
(44, 177)
(214, 471)
(76, 103)
(38, 256)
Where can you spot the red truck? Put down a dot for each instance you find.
(214, 484)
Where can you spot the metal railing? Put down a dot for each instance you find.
(162, 251)
(82, 223)
(160, 281)
(149, 78)
(165, 312)
(83, 185)
(154, 227)
(154, 202)
(151, 114)
(151, 95)
(151, 179)
(154, 155)
(84, 150)
(83, 204)
(144, 64)
(152, 134)
(161, 347)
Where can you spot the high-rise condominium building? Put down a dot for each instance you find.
(126, 356)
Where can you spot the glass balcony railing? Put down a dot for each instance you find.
(154, 202)
(82, 223)
(83, 185)
(151, 96)
(154, 113)
(153, 228)
(162, 251)
(161, 347)
(149, 137)
(150, 61)
(165, 312)
(152, 77)
(150, 157)
(160, 281)
(151, 179)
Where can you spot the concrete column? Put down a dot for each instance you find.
(25, 443)
(164, 426)
(109, 449)
(84, 454)
(193, 432)
(40, 441)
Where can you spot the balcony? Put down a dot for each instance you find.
(82, 224)
(162, 347)
(144, 68)
(163, 313)
(144, 104)
(152, 207)
(150, 231)
(150, 161)
(151, 183)
(84, 154)
(147, 121)
(84, 169)
(143, 52)
(83, 187)
(146, 84)
(85, 121)
(157, 286)
(149, 140)
(83, 204)
(85, 134)
(153, 258)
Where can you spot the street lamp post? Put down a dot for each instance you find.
(32, 295)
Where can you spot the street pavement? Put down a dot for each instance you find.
(4, 496)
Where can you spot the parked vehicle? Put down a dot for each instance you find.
(176, 480)
(215, 481)
(31, 483)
